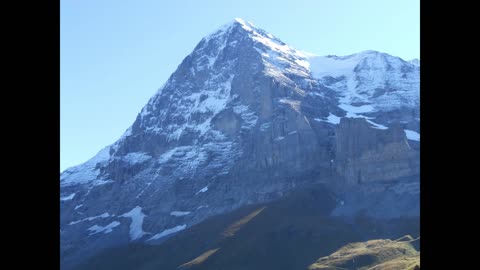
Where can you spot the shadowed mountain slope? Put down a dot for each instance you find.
(289, 233)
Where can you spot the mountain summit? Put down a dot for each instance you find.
(244, 119)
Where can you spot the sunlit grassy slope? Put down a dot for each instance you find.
(371, 255)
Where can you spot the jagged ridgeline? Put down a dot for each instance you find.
(246, 120)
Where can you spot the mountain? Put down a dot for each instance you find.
(244, 120)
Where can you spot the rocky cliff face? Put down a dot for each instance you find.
(242, 120)
(365, 154)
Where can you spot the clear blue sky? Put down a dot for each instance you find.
(116, 54)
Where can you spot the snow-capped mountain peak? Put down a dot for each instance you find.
(244, 118)
(352, 73)
(275, 54)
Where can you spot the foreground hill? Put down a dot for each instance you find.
(290, 233)
(372, 255)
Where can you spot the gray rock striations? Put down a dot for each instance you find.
(242, 120)
(365, 154)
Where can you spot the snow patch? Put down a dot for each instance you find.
(303, 63)
(202, 190)
(67, 198)
(104, 215)
(355, 112)
(294, 104)
(78, 206)
(168, 232)
(136, 157)
(356, 109)
(107, 229)
(321, 66)
(245, 24)
(265, 126)
(179, 213)
(332, 119)
(377, 126)
(190, 157)
(212, 98)
(137, 217)
(412, 135)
